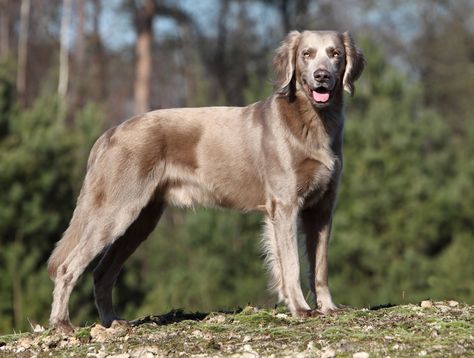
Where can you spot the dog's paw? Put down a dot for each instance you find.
(333, 309)
(63, 327)
(326, 306)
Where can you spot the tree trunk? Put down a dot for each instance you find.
(187, 71)
(79, 55)
(220, 54)
(80, 44)
(301, 14)
(99, 63)
(4, 29)
(143, 51)
(143, 72)
(285, 15)
(64, 49)
(23, 50)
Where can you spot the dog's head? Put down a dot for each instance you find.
(319, 63)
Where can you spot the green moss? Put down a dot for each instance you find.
(83, 334)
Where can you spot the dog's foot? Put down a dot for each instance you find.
(63, 327)
(325, 304)
(332, 310)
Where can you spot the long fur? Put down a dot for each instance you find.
(281, 156)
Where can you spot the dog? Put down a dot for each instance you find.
(281, 156)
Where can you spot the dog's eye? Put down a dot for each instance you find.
(336, 53)
(306, 54)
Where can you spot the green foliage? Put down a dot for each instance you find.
(403, 226)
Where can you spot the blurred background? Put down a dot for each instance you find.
(404, 223)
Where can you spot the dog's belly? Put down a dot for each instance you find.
(187, 195)
(191, 194)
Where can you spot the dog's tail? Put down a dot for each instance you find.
(75, 231)
(68, 242)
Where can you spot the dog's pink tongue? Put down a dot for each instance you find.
(320, 97)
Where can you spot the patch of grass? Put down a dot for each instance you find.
(83, 334)
(9, 338)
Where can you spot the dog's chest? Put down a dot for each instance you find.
(314, 173)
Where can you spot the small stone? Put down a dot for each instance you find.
(281, 316)
(197, 333)
(122, 355)
(145, 352)
(102, 353)
(38, 328)
(25, 342)
(443, 308)
(453, 303)
(208, 337)
(51, 341)
(247, 339)
(99, 333)
(328, 353)
(426, 304)
(360, 355)
(217, 319)
(120, 323)
(422, 353)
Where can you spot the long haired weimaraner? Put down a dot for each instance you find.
(281, 156)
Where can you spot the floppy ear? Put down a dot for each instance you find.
(284, 62)
(355, 63)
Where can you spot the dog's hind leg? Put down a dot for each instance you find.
(103, 226)
(106, 272)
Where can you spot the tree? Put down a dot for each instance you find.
(4, 29)
(401, 226)
(445, 54)
(64, 49)
(143, 21)
(23, 50)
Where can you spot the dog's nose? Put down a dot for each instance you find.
(322, 75)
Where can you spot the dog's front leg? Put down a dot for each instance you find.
(284, 261)
(317, 222)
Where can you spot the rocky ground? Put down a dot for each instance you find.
(435, 329)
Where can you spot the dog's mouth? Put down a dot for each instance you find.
(321, 95)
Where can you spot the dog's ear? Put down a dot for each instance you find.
(284, 62)
(355, 63)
